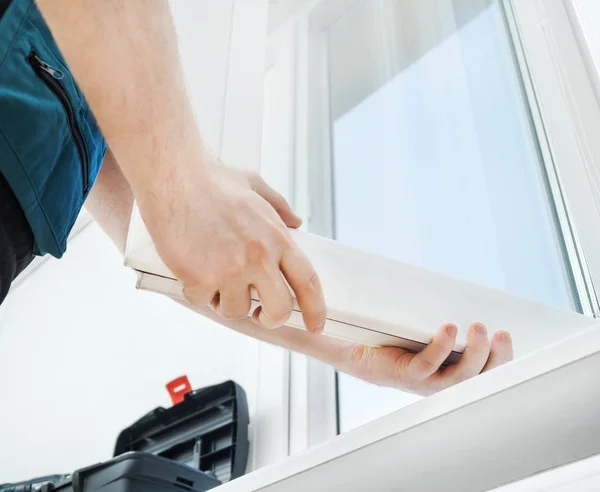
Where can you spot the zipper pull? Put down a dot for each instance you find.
(54, 72)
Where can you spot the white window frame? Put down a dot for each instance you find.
(564, 108)
(241, 147)
(313, 391)
(565, 114)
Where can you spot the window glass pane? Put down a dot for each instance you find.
(438, 166)
(433, 157)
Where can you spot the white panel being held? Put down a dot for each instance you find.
(378, 301)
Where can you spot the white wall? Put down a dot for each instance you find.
(82, 353)
(204, 31)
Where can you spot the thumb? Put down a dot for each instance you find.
(276, 200)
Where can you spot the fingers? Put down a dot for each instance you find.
(474, 357)
(234, 302)
(198, 295)
(276, 200)
(426, 363)
(305, 283)
(423, 373)
(276, 302)
(501, 350)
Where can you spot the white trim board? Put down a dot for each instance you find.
(532, 415)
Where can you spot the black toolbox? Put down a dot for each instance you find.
(195, 445)
(137, 472)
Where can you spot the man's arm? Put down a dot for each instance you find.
(111, 201)
(219, 230)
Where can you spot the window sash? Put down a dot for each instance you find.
(565, 113)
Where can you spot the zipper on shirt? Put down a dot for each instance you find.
(52, 78)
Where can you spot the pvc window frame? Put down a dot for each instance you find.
(565, 112)
(240, 146)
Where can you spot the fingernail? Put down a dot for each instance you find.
(480, 329)
(320, 328)
(505, 337)
(451, 330)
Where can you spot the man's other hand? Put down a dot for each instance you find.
(423, 373)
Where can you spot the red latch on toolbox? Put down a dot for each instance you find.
(178, 388)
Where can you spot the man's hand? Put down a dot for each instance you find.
(222, 232)
(423, 373)
(219, 230)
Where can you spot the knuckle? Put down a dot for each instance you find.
(253, 178)
(281, 235)
(257, 250)
(314, 283)
(266, 321)
(419, 369)
(198, 294)
(281, 316)
(234, 306)
(281, 312)
(207, 283)
(235, 265)
(428, 365)
(233, 314)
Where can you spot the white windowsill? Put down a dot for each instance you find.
(529, 416)
(581, 475)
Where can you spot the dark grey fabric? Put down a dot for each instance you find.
(16, 238)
